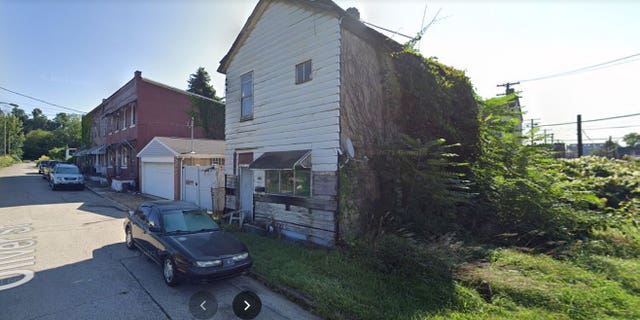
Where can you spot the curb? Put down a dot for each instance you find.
(115, 204)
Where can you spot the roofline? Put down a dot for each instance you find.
(347, 21)
(195, 95)
(156, 139)
(156, 83)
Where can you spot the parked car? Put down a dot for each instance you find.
(41, 165)
(46, 169)
(185, 241)
(65, 175)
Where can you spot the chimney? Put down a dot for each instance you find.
(354, 12)
(137, 74)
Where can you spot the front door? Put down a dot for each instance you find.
(246, 191)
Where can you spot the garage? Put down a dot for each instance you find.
(157, 179)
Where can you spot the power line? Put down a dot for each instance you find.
(592, 120)
(43, 101)
(616, 127)
(602, 65)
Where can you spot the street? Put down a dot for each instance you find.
(72, 243)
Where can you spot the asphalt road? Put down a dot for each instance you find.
(71, 242)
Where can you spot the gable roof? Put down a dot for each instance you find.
(181, 147)
(325, 6)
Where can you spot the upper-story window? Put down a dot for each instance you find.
(303, 72)
(133, 115)
(124, 118)
(246, 96)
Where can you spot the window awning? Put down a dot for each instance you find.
(97, 150)
(282, 160)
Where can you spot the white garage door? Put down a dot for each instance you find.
(157, 179)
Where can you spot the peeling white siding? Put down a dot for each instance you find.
(287, 116)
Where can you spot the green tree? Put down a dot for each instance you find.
(208, 114)
(20, 114)
(68, 128)
(14, 135)
(199, 83)
(631, 139)
(39, 142)
(38, 121)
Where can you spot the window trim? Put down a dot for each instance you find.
(245, 117)
(302, 66)
(133, 115)
(293, 191)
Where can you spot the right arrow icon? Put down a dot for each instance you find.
(246, 305)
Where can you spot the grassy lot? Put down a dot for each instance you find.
(577, 281)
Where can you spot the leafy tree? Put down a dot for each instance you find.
(20, 114)
(38, 142)
(208, 115)
(68, 129)
(631, 139)
(14, 135)
(38, 121)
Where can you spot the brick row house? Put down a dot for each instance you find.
(125, 122)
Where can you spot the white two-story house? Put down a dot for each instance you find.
(307, 92)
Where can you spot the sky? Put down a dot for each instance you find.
(74, 53)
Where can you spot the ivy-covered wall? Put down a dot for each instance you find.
(387, 94)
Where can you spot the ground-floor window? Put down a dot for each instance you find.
(296, 182)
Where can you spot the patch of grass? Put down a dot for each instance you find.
(539, 281)
(342, 285)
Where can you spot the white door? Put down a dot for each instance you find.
(157, 179)
(206, 184)
(246, 191)
(199, 183)
(190, 184)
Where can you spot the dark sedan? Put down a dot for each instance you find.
(185, 241)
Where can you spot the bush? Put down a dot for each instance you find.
(6, 161)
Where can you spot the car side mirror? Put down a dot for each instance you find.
(154, 229)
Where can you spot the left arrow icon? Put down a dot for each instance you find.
(202, 305)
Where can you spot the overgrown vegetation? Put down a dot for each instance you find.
(514, 234)
(208, 114)
(7, 160)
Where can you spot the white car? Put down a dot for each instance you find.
(65, 176)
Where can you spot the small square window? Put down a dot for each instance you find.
(303, 72)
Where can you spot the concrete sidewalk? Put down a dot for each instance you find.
(124, 201)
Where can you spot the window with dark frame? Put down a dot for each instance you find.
(133, 115)
(246, 96)
(295, 182)
(303, 72)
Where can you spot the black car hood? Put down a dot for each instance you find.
(206, 245)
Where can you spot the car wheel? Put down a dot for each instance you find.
(169, 272)
(129, 239)
(53, 186)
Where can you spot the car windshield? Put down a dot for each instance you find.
(68, 170)
(188, 221)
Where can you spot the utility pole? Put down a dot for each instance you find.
(531, 126)
(545, 136)
(579, 135)
(552, 138)
(5, 150)
(192, 124)
(508, 90)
